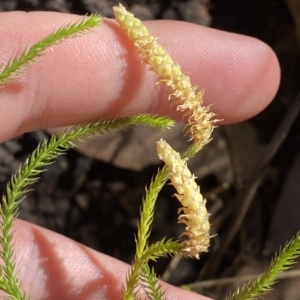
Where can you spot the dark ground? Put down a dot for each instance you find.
(97, 203)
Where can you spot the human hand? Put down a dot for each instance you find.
(100, 75)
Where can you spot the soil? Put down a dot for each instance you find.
(252, 188)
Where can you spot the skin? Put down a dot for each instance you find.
(99, 75)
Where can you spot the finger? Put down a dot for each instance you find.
(100, 74)
(54, 267)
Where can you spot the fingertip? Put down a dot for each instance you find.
(54, 266)
(251, 82)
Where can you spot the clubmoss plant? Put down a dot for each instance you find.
(141, 278)
(282, 261)
(187, 99)
(194, 215)
(19, 63)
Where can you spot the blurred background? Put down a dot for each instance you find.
(249, 173)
